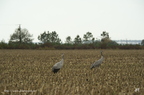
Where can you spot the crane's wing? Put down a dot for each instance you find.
(97, 63)
(58, 65)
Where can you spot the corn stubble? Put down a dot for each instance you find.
(28, 72)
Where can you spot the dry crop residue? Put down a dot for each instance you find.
(28, 72)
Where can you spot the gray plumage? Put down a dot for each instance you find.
(58, 65)
(98, 63)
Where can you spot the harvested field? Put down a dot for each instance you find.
(28, 72)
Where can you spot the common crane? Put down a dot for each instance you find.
(58, 65)
(98, 63)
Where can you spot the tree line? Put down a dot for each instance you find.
(22, 39)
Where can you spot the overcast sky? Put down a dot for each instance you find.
(122, 19)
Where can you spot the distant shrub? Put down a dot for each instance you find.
(47, 46)
(3, 45)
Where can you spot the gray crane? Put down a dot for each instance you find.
(98, 63)
(58, 65)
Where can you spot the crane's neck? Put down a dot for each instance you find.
(62, 60)
(101, 54)
(62, 56)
